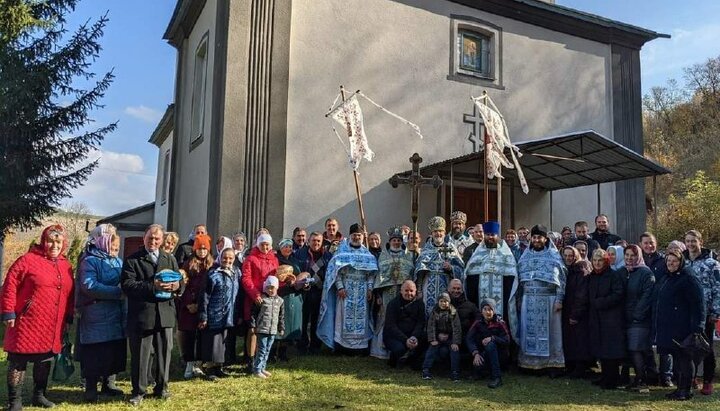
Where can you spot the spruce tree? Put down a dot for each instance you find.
(44, 142)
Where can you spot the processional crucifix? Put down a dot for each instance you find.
(415, 181)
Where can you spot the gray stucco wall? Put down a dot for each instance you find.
(192, 167)
(398, 53)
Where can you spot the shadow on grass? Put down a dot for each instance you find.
(517, 390)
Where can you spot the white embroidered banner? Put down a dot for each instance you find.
(349, 114)
(498, 138)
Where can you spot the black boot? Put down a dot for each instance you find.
(15, 380)
(109, 388)
(91, 392)
(41, 372)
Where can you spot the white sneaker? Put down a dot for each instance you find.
(260, 375)
(198, 372)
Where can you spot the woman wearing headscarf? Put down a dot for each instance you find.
(679, 310)
(260, 264)
(288, 274)
(639, 284)
(221, 244)
(101, 308)
(607, 336)
(574, 314)
(36, 305)
(616, 257)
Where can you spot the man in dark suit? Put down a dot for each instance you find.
(150, 320)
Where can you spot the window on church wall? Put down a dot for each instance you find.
(165, 178)
(475, 52)
(198, 95)
(474, 49)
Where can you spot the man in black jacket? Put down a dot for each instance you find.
(150, 320)
(314, 260)
(466, 309)
(602, 232)
(185, 250)
(404, 332)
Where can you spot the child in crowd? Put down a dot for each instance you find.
(195, 272)
(217, 312)
(444, 335)
(268, 320)
(488, 340)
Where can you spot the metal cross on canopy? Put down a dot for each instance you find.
(415, 181)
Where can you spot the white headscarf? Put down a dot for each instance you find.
(263, 238)
(226, 243)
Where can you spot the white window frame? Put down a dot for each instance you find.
(479, 28)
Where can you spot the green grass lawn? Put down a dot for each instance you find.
(334, 382)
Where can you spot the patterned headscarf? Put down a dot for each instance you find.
(104, 242)
(639, 262)
(226, 243)
(619, 261)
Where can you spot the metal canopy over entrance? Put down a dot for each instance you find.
(554, 163)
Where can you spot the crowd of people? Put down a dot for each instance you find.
(470, 299)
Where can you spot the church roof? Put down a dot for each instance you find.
(567, 20)
(554, 163)
(539, 13)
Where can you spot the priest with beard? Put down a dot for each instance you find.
(345, 314)
(536, 303)
(458, 237)
(438, 263)
(395, 266)
(491, 271)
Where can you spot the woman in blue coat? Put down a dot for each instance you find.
(679, 312)
(101, 306)
(217, 312)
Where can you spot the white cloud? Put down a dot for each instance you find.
(143, 113)
(120, 182)
(663, 59)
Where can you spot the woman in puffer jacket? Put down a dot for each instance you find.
(102, 311)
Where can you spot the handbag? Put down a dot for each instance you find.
(166, 276)
(696, 346)
(64, 367)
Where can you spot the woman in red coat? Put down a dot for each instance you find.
(36, 305)
(260, 264)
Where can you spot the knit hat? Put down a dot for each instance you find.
(201, 241)
(271, 281)
(285, 242)
(444, 296)
(263, 238)
(488, 301)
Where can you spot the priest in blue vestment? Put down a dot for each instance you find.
(345, 308)
(536, 303)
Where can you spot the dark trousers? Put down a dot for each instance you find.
(398, 348)
(610, 370)
(442, 351)
(684, 369)
(189, 342)
(491, 360)
(311, 312)
(709, 361)
(142, 344)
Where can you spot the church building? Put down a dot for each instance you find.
(246, 143)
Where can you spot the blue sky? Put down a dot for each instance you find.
(144, 66)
